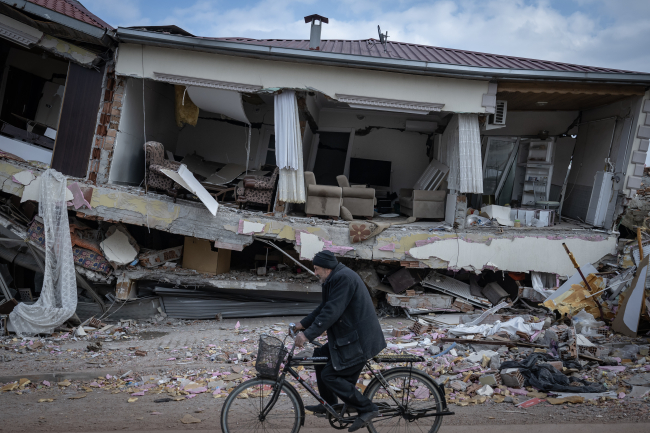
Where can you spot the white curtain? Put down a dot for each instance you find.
(288, 148)
(461, 143)
(58, 300)
(469, 149)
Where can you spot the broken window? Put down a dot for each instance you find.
(31, 94)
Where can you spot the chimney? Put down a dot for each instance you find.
(314, 38)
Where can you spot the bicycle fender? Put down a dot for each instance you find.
(440, 388)
(300, 402)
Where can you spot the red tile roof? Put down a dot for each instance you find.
(73, 9)
(425, 53)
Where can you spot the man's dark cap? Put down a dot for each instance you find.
(325, 259)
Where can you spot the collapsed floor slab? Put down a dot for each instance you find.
(420, 244)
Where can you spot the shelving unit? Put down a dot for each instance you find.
(534, 171)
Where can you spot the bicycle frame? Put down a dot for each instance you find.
(311, 361)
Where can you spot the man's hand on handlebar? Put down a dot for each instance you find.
(298, 326)
(300, 340)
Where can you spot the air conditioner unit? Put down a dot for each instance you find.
(498, 119)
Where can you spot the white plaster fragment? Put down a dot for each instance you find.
(250, 227)
(118, 249)
(518, 254)
(310, 244)
(32, 191)
(24, 177)
(186, 179)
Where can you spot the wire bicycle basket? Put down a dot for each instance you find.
(270, 354)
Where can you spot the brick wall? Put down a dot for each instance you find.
(108, 122)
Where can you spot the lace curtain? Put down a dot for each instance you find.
(58, 300)
(461, 143)
(288, 148)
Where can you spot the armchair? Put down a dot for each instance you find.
(358, 199)
(155, 162)
(423, 204)
(257, 189)
(321, 199)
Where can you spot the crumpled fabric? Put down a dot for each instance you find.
(58, 300)
(547, 378)
(511, 327)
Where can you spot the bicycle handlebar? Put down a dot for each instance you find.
(293, 332)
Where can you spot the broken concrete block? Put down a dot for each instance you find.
(401, 280)
(370, 278)
(458, 385)
(433, 350)
(486, 391)
(428, 301)
(495, 362)
(420, 327)
(512, 378)
(125, 288)
(494, 292)
(488, 379)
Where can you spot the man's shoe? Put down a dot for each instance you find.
(318, 409)
(362, 420)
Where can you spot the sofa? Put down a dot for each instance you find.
(322, 200)
(358, 199)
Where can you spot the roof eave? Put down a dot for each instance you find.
(277, 53)
(57, 17)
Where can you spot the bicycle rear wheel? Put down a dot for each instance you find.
(241, 412)
(419, 401)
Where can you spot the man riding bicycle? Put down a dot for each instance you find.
(354, 335)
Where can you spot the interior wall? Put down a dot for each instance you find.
(313, 106)
(406, 150)
(128, 160)
(563, 151)
(600, 134)
(532, 122)
(217, 140)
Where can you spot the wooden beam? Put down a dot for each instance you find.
(570, 88)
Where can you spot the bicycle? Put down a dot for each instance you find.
(409, 397)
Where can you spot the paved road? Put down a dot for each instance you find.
(541, 428)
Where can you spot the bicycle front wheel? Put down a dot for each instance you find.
(418, 401)
(242, 410)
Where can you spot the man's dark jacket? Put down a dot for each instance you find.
(347, 314)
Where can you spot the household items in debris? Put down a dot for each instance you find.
(84, 257)
(198, 254)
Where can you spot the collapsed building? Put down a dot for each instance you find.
(205, 173)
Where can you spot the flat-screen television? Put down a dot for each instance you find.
(369, 171)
